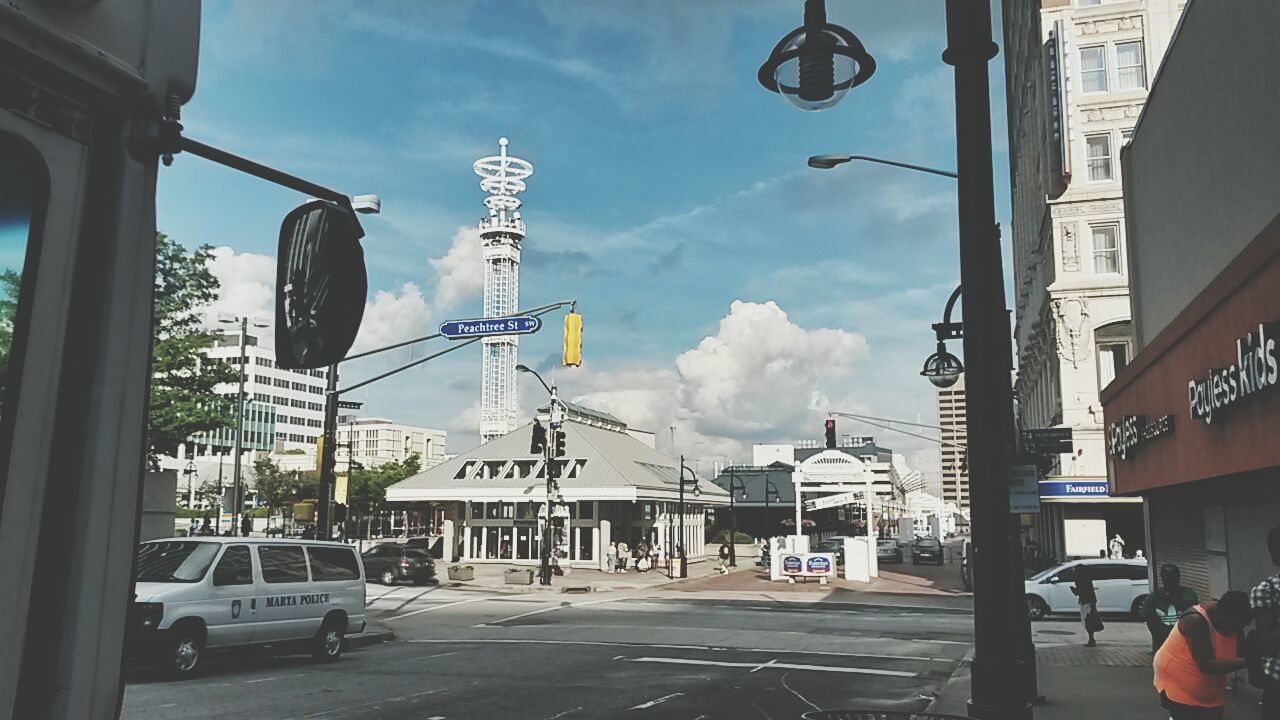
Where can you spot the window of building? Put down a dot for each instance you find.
(1106, 249)
(1088, 3)
(1093, 68)
(1098, 154)
(1131, 68)
(1113, 344)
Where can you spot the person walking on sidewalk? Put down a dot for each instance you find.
(724, 558)
(1265, 599)
(1192, 665)
(1088, 599)
(612, 558)
(624, 554)
(1163, 607)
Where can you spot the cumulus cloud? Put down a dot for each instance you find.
(760, 377)
(460, 271)
(246, 284)
(393, 317)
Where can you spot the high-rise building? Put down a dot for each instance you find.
(501, 234)
(955, 437)
(375, 441)
(1077, 74)
(284, 409)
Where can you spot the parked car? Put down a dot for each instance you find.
(1121, 586)
(831, 546)
(887, 551)
(926, 549)
(391, 563)
(223, 592)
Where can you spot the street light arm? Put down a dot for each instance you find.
(827, 162)
(951, 303)
(433, 336)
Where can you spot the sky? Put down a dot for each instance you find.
(727, 289)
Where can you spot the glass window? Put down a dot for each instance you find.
(1093, 68)
(1098, 152)
(477, 511)
(282, 563)
(587, 511)
(333, 563)
(180, 561)
(493, 510)
(508, 510)
(1066, 575)
(1106, 249)
(1131, 69)
(235, 567)
(1088, 3)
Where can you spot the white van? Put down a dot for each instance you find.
(194, 594)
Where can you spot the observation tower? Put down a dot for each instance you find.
(501, 233)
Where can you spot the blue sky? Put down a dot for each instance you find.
(668, 186)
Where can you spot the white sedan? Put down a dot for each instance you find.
(1121, 586)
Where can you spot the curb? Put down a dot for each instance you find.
(373, 637)
(958, 676)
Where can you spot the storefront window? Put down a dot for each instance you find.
(493, 511)
(584, 545)
(508, 510)
(477, 511)
(587, 511)
(526, 511)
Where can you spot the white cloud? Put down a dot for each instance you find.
(460, 271)
(246, 284)
(393, 318)
(760, 377)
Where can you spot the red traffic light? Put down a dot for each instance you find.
(831, 433)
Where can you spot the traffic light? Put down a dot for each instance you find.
(339, 513)
(559, 450)
(553, 469)
(538, 445)
(572, 340)
(831, 433)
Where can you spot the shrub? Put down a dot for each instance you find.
(740, 539)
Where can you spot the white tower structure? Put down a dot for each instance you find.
(501, 233)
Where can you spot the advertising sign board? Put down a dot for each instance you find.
(809, 565)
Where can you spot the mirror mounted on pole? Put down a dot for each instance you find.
(321, 285)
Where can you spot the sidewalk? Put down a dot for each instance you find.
(1112, 680)
(489, 577)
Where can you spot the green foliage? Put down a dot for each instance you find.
(740, 539)
(276, 488)
(9, 283)
(183, 403)
(294, 451)
(367, 488)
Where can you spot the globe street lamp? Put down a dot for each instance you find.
(734, 482)
(1003, 673)
(678, 550)
(942, 368)
(548, 535)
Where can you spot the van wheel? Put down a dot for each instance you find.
(388, 577)
(328, 641)
(180, 656)
(1136, 609)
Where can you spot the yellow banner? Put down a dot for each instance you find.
(340, 489)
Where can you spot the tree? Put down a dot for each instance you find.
(275, 487)
(183, 401)
(367, 487)
(10, 280)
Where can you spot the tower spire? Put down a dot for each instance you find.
(502, 176)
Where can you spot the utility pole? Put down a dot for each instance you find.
(237, 501)
(328, 457)
(552, 472)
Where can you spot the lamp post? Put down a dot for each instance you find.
(942, 368)
(548, 534)
(680, 551)
(733, 515)
(237, 502)
(999, 654)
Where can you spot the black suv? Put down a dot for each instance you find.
(392, 562)
(926, 550)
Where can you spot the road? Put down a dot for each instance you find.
(647, 654)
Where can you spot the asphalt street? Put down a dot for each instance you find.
(461, 654)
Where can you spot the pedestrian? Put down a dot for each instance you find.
(623, 555)
(1088, 599)
(1265, 599)
(655, 552)
(1192, 666)
(1117, 547)
(206, 528)
(1163, 607)
(612, 557)
(637, 553)
(246, 524)
(764, 552)
(724, 558)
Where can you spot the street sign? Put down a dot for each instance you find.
(1047, 441)
(833, 501)
(1024, 489)
(461, 329)
(1074, 489)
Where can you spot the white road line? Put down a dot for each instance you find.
(793, 692)
(566, 712)
(548, 609)
(432, 608)
(764, 665)
(658, 701)
(671, 646)
(368, 602)
(785, 666)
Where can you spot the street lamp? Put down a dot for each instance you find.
(678, 550)
(942, 368)
(236, 498)
(814, 65)
(548, 535)
(827, 162)
(1000, 654)
(733, 514)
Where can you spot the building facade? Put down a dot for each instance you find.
(284, 409)
(1077, 73)
(1191, 420)
(377, 441)
(954, 467)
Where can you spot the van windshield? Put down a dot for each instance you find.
(175, 562)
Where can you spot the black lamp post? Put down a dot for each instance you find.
(733, 515)
(679, 551)
(548, 533)
(942, 368)
(999, 653)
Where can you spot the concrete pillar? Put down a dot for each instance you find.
(602, 544)
(449, 542)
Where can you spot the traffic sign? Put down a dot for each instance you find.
(520, 325)
(829, 501)
(1024, 489)
(1047, 441)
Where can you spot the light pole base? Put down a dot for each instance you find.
(1017, 711)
